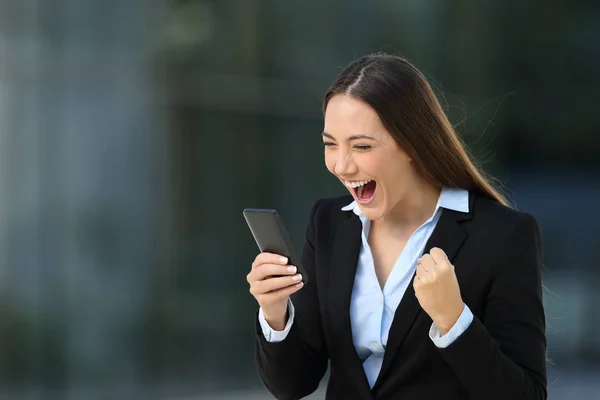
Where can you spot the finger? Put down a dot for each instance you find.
(418, 276)
(264, 271)
(269, 258)
(438, 255)
(279, 294)
(427, 262)
(425, 279)
(271, 284)
(426, 274)
(418, 282)
(442, 263)
(421, 270)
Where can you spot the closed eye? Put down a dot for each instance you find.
(357, 147)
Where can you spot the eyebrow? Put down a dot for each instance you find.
(354, 137)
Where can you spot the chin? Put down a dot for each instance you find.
(373, 213)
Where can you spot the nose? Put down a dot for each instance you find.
(344, 165)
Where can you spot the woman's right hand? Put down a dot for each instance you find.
(272, 282)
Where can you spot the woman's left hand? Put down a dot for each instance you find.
(437, 290)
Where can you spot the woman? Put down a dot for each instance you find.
(423, 283)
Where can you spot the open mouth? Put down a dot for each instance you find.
(363, 190)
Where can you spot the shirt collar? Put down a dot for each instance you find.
(450, 198)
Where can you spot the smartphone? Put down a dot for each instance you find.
(271, 236)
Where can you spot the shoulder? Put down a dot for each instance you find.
(329, 209)
(503, 220)
(334, 204)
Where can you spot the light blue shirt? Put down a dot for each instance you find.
(371, 308)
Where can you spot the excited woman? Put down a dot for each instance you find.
(423, 282)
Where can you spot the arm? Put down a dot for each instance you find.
(502, 355)
(458, 329)
(270, 334)
(293, 367)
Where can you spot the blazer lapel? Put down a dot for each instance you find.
(448, 235)
(344, 261)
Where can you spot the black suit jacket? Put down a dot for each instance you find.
(496, 252)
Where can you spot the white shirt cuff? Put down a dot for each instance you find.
(269, 333)
(461, 325)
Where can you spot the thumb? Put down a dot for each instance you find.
(438, 255)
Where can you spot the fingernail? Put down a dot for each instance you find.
(296, 277)
(283, 260)
(300, 284)
(291, 269)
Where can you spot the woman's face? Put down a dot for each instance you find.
(359, 149)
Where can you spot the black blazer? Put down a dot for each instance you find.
(497, 255)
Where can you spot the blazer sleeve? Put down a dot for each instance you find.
(503, 355)
(294, 367)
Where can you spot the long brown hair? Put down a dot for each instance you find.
(412, 114)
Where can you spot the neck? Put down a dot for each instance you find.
(413, 210)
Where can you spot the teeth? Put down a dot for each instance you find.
(356, 184)
(359, 191)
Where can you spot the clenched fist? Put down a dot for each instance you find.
(436, 288)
